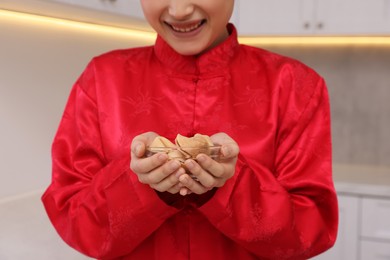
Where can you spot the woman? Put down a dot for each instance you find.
(271, 198)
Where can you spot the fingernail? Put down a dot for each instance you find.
(225, 150)
(137, 149)
(190, 164)
(179, 173)
(183, 192)
(183, 179)
(201, 158)
(174, 165)
(162, 157)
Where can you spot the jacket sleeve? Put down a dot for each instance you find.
(96, 205)
(289, 211)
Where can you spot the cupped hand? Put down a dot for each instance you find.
(208, 173)
(156, 171)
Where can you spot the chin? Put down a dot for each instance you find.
(188, 49)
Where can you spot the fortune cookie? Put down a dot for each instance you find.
(160, 143)
(192, 146)
(184, 147)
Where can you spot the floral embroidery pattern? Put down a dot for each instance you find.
(142, 103)
(252, 97)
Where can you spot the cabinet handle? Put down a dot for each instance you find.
(306, 25)
(320, 25)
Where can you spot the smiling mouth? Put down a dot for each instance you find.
(186, 28)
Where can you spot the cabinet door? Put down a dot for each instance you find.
(371, 250)
(376, 219)
(346, 246)
(353, 17)
(270, 17)
(122, 7)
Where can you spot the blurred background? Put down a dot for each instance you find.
(46, 44)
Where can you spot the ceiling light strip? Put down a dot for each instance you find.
(46, 20)
(150, 36)
(318, 40)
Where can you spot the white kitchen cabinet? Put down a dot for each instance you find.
(371, 250)
(376, 219)
(120, 13)
(364, 229)
(122, 7)
(308, 17)
(353, 16)
(375, 234)
(346, 246)
(274, 16)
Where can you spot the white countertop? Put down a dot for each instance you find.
(362, 180)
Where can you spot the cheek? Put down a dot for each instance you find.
(151, 19)
(150, 10)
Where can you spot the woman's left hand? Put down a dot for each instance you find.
(208, 173)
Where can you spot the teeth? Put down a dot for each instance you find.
(187, 29)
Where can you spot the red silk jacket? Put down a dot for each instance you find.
(281, 202)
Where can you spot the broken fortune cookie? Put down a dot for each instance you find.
(185, 148)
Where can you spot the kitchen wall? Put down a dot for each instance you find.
(358, 79)
(39, 63)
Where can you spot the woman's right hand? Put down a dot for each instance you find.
(156, 171)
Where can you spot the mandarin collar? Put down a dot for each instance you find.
(214, 60)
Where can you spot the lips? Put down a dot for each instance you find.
(186, 27)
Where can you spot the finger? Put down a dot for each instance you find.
(145, 165)
(184, 191)
(201, 175)
(192, 185)
(221, 138)
(229, 147)
(159, 174)
(229, 150)
(139, 143)
(175, 189)
(211, 166)
(137, 149)
(168, 183)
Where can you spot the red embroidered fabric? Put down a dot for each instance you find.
(280, 204)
